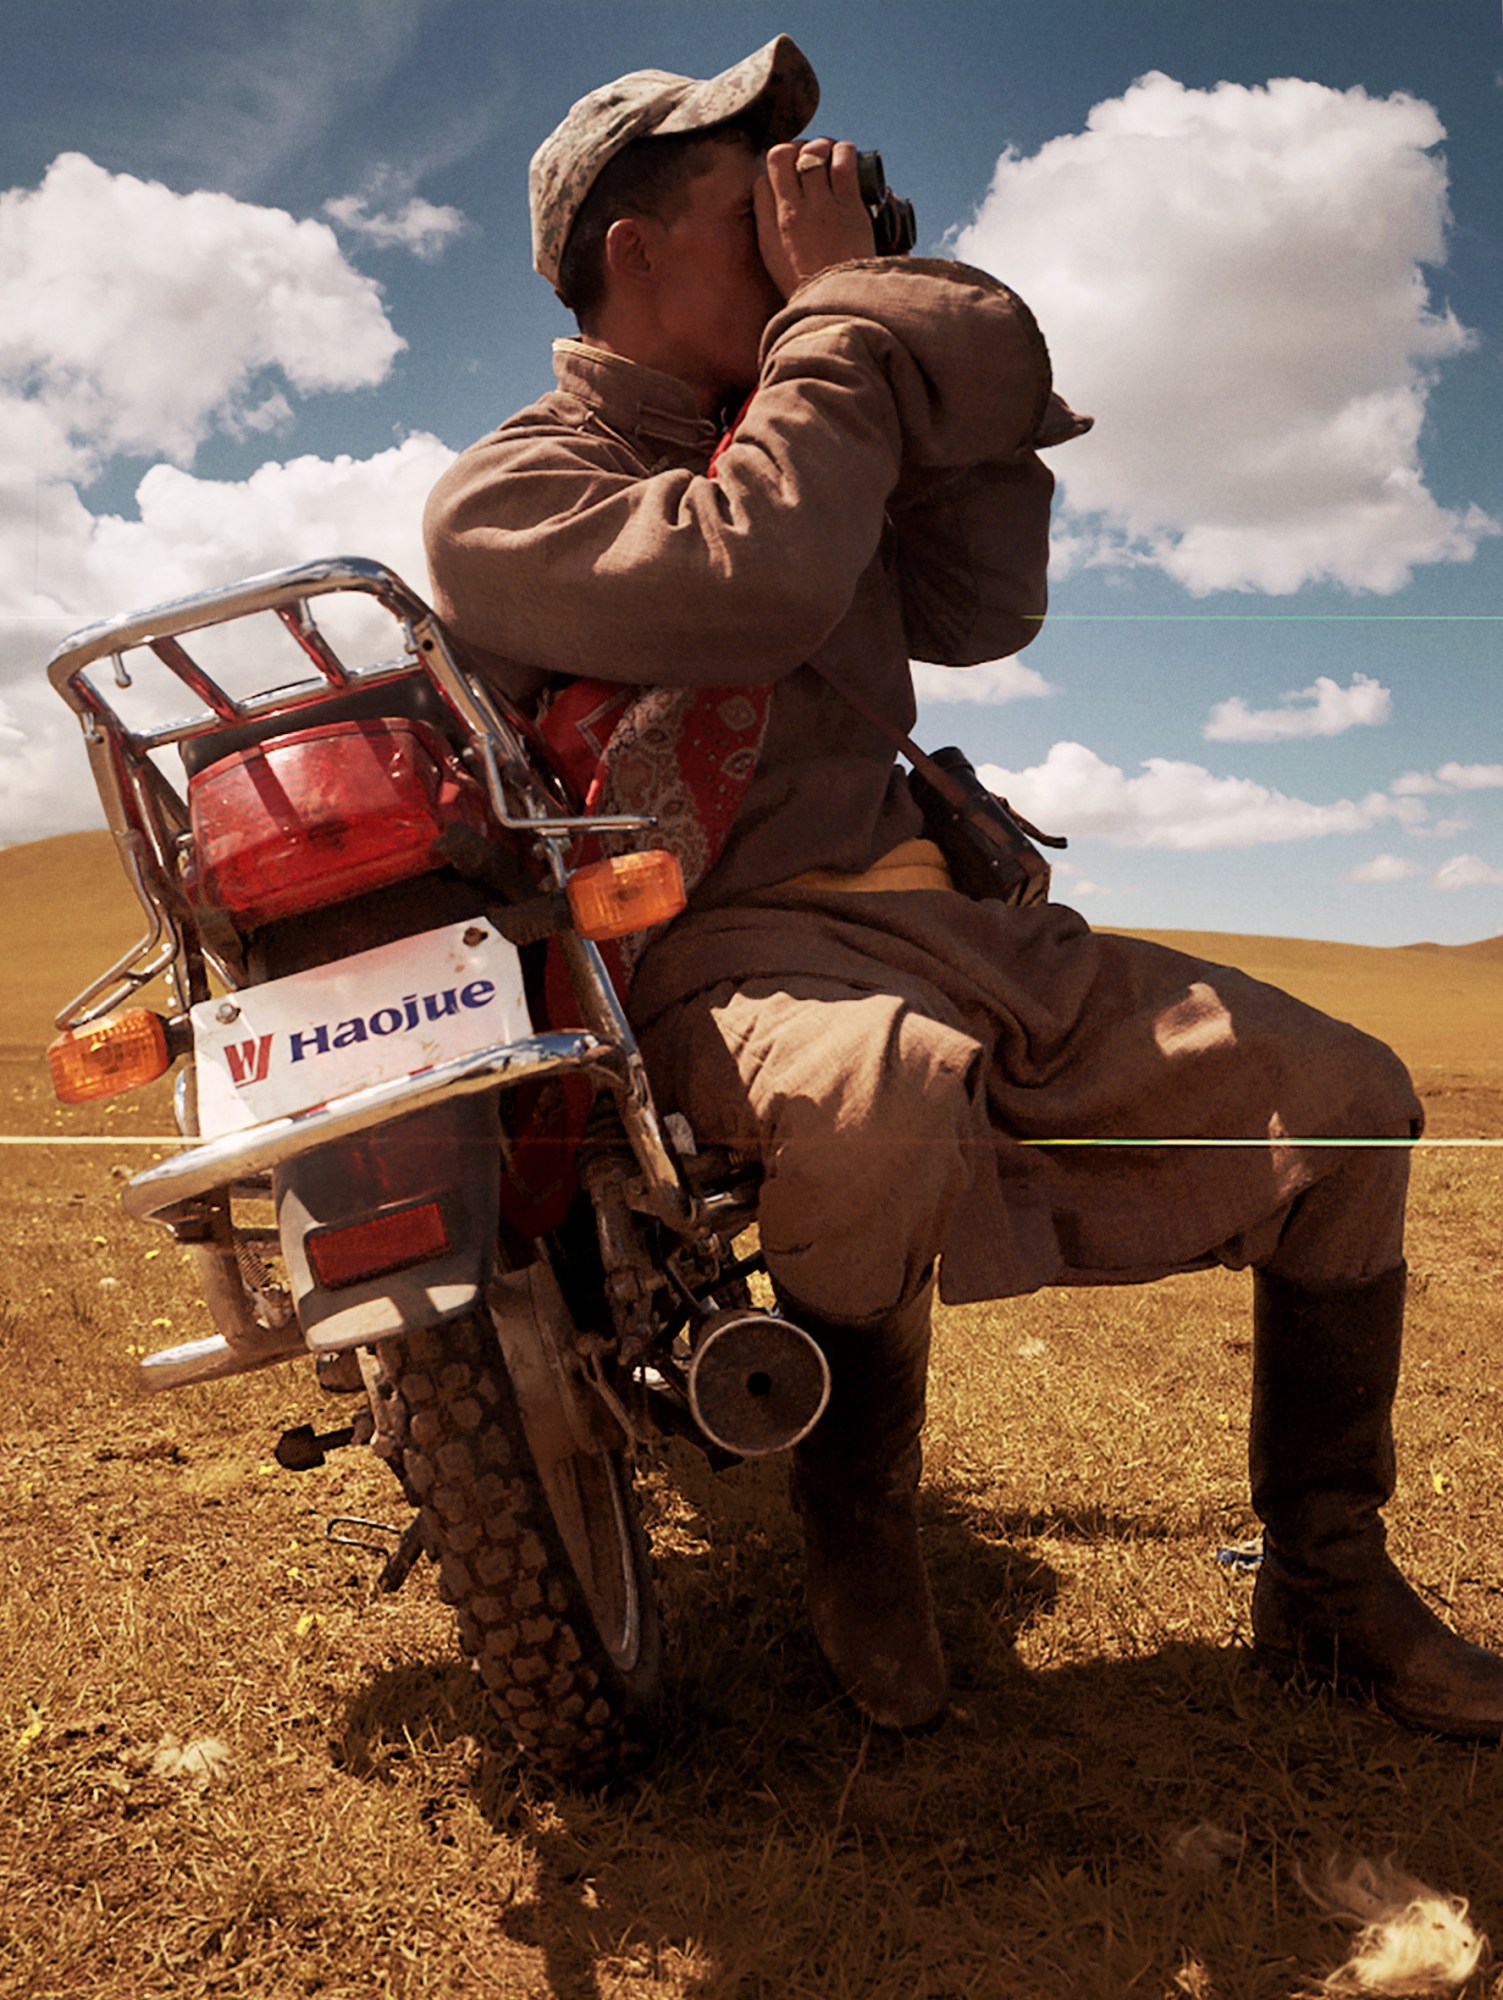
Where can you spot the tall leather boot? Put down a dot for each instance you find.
(855, 1486)
(1328, 1599)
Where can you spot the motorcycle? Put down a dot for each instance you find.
(420, 1146)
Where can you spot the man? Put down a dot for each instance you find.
(829, 1002)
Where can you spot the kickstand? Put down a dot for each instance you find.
(399, 1561)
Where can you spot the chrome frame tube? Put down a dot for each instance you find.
(212, 607)
(214, 1359)
(159, 948)
(667, 1193)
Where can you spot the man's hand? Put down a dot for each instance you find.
(809, 211)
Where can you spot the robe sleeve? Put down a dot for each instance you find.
(881, 381)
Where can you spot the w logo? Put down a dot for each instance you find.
(248, 1063)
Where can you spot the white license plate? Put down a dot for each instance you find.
(270, 1050)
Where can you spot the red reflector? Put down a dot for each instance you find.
(388, 1242)
(324, 813)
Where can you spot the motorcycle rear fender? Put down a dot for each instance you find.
(450, 1154)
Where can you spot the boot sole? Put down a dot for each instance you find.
(1295, 1670)
(879, 1714)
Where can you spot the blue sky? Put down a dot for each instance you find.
(282, 271)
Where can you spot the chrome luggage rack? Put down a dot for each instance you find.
(148, 819)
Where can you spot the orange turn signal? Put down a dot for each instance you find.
(108, 1057)
(631, 892)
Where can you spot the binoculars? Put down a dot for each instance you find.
(893, 223)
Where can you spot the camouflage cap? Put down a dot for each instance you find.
(777, 82)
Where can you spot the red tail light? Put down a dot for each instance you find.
(325, 813)
(348, 1253)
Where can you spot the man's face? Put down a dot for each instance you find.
(715, 294)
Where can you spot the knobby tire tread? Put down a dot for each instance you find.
(448, 1423)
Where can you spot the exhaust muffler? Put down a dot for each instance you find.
(757, 1383)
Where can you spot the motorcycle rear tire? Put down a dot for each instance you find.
(550, 1576)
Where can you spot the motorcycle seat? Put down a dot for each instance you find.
(414, 698)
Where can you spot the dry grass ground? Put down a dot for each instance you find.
(370, 1832)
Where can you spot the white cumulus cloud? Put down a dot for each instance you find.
(1072, 885)
(1232, 281)
(994, 681)
(1384, 868)
(44, 778)
(423, 227)
(1326, 709)
(192, 533)
(1415, 784)
(1471, 777)
(1467, 871)
(1449, 778)
(138, 320)
(1177, 805)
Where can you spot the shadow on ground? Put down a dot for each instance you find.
(1049, 1838)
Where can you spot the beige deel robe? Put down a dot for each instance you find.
(886, 1053)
